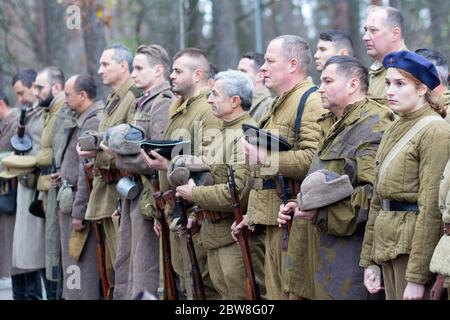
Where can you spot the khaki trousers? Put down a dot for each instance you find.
(394, 272)
(274, 264)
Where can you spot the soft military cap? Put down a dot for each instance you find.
(166, 148)
(322, 188)
(184, 167)
(265, 139)
(16, 165)
(418, 66)
(125, 139)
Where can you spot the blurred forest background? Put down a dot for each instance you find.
(36, 33)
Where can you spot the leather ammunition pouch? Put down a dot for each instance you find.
(109, 176)
(28, 180)
(266, 184)
(215, 216)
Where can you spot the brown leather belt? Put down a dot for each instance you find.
(215, 216)
(273, 183)
(108, 175)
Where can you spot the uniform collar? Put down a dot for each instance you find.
(93, 108)
(243, 116)
(56, 101)
(181, 106)
(124, 88)
(153, 92)
(302, 84)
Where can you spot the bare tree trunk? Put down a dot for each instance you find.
(395, 4)
(194, 36)
(94, 41)
(287, 16)
(439, 11)
(340, 15)
(224, 30)
(55, 34)
(355, 31)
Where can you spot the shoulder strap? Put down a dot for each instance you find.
(301, 107)
(422, 123)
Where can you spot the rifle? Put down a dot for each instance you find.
(251, 285)
(170, 292)
(285, 228)
(21, 142)
(199, 292)
(100, 248)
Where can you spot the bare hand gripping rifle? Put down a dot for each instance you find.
(252, 288)
(199, 291)
(100, 249)
(170, 288)
(285, 228)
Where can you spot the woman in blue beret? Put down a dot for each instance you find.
(404, 222)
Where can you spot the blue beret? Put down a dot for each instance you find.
(415, 64)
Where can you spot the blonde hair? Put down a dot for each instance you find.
(434, 103)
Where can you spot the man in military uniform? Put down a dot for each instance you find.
(8, 127)
(298, 284)
(80, 92)
(441, 92)
(137, 262)
(49, 91)
(250, 64)
(190, 118)
(348, 149)
(29, 231)
(293, 116)
(115, 67)
(332, 43)
(384, 32)
(230, 97)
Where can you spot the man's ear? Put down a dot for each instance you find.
(294, 65)
(124, 66)
(354, 85)
(396, 34)
(236, 102)
(197, 75)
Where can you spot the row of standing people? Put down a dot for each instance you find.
(324, 245)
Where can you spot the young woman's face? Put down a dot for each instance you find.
(402, 94)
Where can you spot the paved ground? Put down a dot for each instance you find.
(5, 289)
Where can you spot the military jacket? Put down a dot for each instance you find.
(119, 109)
(8, 128)
(44, 155)
(151, 114)
(377, 83)
(261, 103)
(349, 148)
(413, 176)
(192, 120)
(72, 166)
(264, 205)
(227, 148)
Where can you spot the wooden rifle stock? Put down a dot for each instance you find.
(199, 292)
(285, 228)
(252, 288)
(170, 287)
(100, 247)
